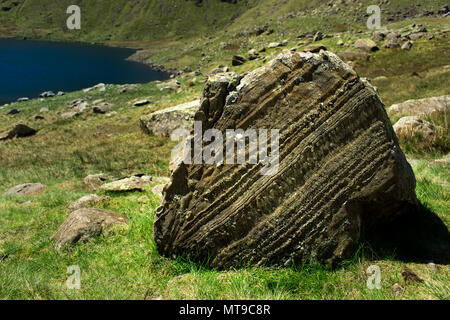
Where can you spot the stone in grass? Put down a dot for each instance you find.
(95, 181)
(25, 189)
(18, 131)
(238, 60)
(366, 44)
(134, 183)
(408, 128)
(141, 103)
(83, 224)
(103, 108)
(87, 201)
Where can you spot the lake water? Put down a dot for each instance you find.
(28, 68)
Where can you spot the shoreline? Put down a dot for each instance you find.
(152, 65)
(131, 58)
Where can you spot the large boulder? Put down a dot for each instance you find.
(340, 172)
(422, 107)
(83, 224)
(164, 122)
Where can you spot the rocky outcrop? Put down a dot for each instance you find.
(341, 170)
(83, 224)
(422, 107)
(164, 122)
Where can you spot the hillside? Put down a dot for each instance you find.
(194, 38)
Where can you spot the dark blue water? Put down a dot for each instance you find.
(28, 68)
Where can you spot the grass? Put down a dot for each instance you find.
(124, 264)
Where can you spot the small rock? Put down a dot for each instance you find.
(253, 54)
(83, 224)
(407, 45)
(22, 99)
(392, 44)
(134, 183)
(111, 114)
(315, 48)
(141, 103)
(47, 94)
(397, 290)
(13, 111)
(25, 189)
(18, 131)
(411, 127)
(68, 115)
(158, 189)
(318, 36)
(86, 201)
(94, 181)
(238, 60)
(103, 108)
(366, 44)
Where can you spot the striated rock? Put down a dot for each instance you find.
(83, 224)
(18, 131)
(25, 189)
(164, 122)
(422, 107)
(86, 201)
(340, 173)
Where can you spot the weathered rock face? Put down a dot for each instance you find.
(341, 170)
